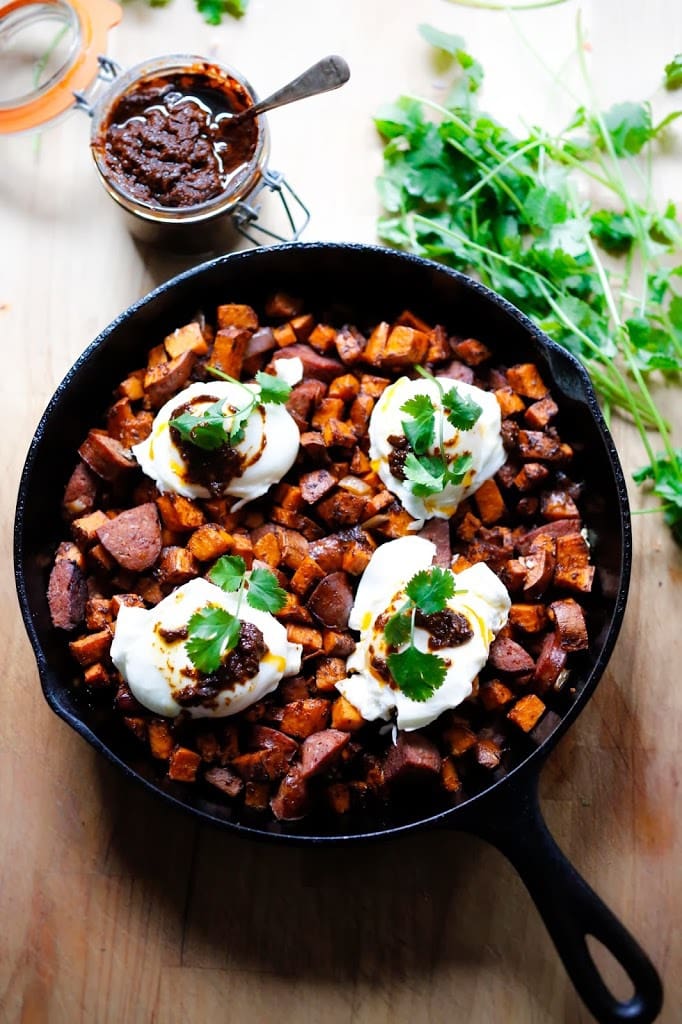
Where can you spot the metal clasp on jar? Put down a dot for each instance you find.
(246, 214)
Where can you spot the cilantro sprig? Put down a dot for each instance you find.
(213, 11)
(427, 473)
(213, 428)
(213, 631)
(418, 673)
(459, 187)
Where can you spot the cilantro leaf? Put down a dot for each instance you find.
(213, 10)
(228, 572)
(273, 390)
(630, 127)
(419, 430)
(431, 588)
(205, 430)
(423, 476)
(462, 412)
(673, 72)
(398, 629)
(212, 633)
(264, 592)
(417, 673)
(458, 469)
(238, 423)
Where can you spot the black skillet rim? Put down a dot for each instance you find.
(532, 764)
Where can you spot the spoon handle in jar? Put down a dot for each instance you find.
(328, 73)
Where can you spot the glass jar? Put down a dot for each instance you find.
(66, 39)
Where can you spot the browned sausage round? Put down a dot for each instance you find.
(332, 600)
(133, 537)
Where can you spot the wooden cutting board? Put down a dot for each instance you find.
(115, 909)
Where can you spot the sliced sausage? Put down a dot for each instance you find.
(316, 484)
(414, 758)
(81, 492)
(559, 528)
(457, 370)
(438, 532)
(314, 363)
(570, 624)
(321, 750)
(304, 397)
(133, 537)
(550, 664)
(106, 456)
(263, 738)
(291, 800)
(332, 600)
(67, 593)
(225, 780)
(509, 657)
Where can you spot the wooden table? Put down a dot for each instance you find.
(115, 908)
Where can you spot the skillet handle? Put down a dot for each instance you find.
(571, 910)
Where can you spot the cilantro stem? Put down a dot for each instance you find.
(489, 5)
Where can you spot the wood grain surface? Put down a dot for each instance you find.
(116, 909)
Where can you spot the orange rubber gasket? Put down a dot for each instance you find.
(95, 18)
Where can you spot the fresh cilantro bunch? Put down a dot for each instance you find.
(418, 673)
(213, 632)
(212, 429)
(430, 474)
(212, 10)
(459, 187)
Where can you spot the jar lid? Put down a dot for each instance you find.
(49, 50)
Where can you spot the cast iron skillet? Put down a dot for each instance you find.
(363, 284)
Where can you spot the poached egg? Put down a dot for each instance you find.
(156, 665)
(480, 597)
(483, 442)
(266, 452)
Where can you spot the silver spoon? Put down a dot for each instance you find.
(329, 73)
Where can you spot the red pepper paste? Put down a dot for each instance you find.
(169, 142)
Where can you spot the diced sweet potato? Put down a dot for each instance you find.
(132, 387)
(345, 387)
(494, 694)
(266, 765)
(345, 716)
(268, 550)
(184, 765)
(404, 347)
(161, 382)
(459, 738)
(449, 776)
(538, 415)
(284, 335)
(236, 314)
(530, 618)
(179, 513)
(339, 433)
(509, 402)
(526, 380)
(558, 505)
(573, 571)
(472, 351)
(96, 676)
(530, 476)
(350, 345)
(341, 509)
(372, 385)
(311, 639)
(322, 337)
(304, 717)
(209, 542)
(328, 673)
(98, 613)
(184, 339)
(439, 345)
(490, 503)
(527, 712)
(337, 643)
(177, 566)
(534, 445)
(228, 351)
(243, 548)
(161, 741)
(92, 647)
(119, 601)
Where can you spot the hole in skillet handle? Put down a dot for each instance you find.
(511, 820)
